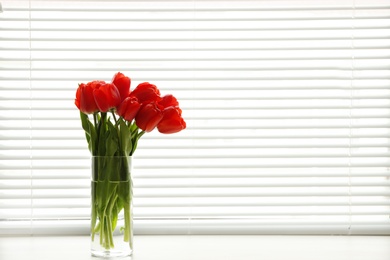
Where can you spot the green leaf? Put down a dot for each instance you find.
(125, 138)
(102, 129)
(84, 123)
(111, 140)
(135, 141)
(90, 132)
(104, 191)
(93, 139)
(133, 128)
(124, 191)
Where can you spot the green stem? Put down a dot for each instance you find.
(110, 224)
(97, 228)
(114, 116)
(135, 141)
(127, 236)
(107, 233)
(141, 134)
(93, 212)
(101, 230)
(110, 239)
(95, 119)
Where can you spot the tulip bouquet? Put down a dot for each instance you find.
(114, 118)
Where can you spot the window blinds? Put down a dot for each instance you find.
(287, 106)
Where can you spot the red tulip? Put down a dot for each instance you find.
(107, 96)
(168, 100)
(129, 108)
(85, 100)
(172, 121)
(146, 93)
(149, 116)
(122, 83)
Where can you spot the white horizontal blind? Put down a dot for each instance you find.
(287, 106)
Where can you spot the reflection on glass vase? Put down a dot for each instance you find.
(111, 206)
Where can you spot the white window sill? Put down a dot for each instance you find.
(207, 247)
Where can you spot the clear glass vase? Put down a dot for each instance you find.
(111, 206)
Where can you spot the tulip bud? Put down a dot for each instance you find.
(172, 121)
(129, 108)
(122, 83)
(146, 93)
(149, 116)
(85, 100)
(107, 97)
(168, 101)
